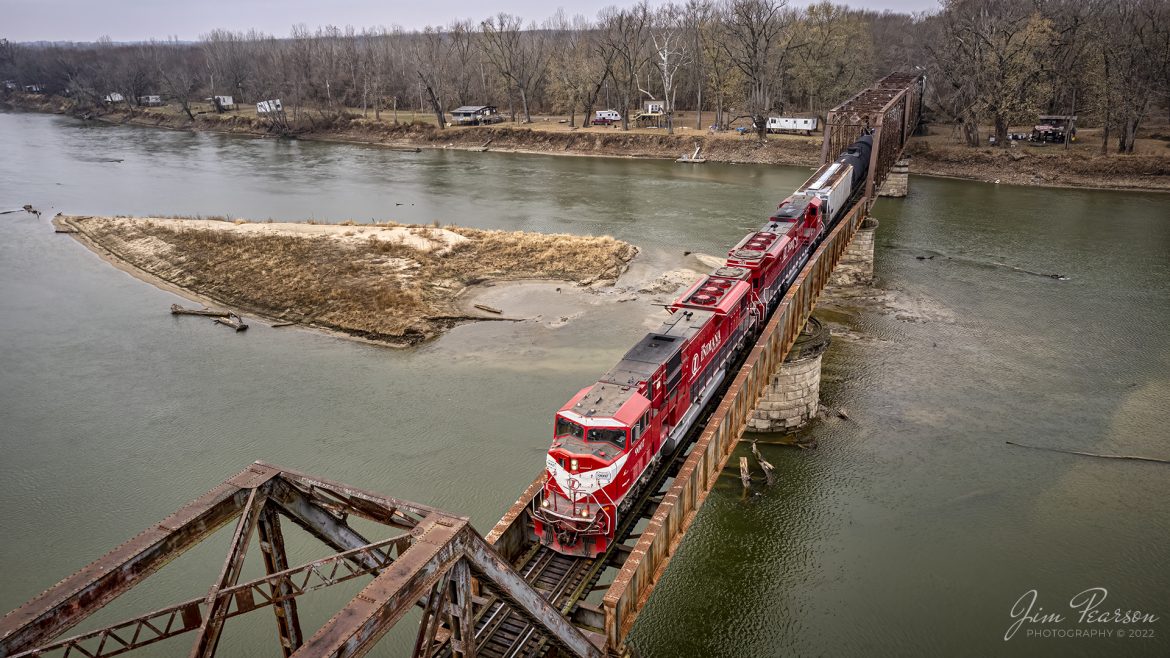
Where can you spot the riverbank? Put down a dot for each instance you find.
(1040, 166)
(930, 156)
(387, 283)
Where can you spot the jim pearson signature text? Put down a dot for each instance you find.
(1086, 608)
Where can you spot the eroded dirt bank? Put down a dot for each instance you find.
(388, 283)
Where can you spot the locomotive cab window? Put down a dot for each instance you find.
(568, 428)
(601, 435)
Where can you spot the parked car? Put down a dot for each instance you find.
(606, 117)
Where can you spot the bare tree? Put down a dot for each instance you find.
(625, 33)
(838, 65)
(431, 51)
(696, 16)
(177, 68)
(759, 43)
(671, 52)
(1133, 66)
(229, 61)
(520, 56)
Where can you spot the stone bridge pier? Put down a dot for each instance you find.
(856, 265)
(792, 397)
(897, 183)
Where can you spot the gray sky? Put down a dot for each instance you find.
(138, 20)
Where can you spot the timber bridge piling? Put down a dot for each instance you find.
(499, 595)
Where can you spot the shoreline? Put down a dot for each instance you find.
(458, 306)
(1023, 167)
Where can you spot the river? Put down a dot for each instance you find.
(912, 529)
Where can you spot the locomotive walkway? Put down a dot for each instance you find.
(499, 595)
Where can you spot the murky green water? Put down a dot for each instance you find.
(911, 530)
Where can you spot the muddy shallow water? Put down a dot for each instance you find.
(912, 529)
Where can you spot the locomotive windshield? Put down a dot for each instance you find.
(566, 428)
(614, 436)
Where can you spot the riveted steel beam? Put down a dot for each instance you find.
(288, 622)
(105, 579)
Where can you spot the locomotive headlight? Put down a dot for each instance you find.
(584, 513)
(544, 503)
(573, 465)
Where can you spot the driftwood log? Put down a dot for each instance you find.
(232, 320)
(489, 309)
(745, 474)
(206, 312)
(764, 464)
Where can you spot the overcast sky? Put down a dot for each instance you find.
(139, 20)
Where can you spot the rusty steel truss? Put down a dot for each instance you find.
(432, 560)
(891, 108)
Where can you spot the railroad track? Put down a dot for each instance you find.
(566, 581)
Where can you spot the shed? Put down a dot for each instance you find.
(474, 115)
(651, 114)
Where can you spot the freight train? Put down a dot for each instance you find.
(611, 437)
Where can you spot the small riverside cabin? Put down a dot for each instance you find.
(474, 115)
(150, 101)
(652, 115)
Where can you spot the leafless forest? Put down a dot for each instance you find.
(989, 62)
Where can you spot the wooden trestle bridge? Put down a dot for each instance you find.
(499, 595)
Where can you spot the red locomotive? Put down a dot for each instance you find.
(609, 439)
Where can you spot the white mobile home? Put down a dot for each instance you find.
(792, 124)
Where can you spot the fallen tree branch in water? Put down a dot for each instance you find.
(1091, 454)
(211, 313)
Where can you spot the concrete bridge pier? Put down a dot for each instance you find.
(897, 183)
(856, 265)
(792, 397)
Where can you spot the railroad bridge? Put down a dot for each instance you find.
(502, 594)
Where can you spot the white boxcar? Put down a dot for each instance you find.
(832, 183)
(792, 124)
